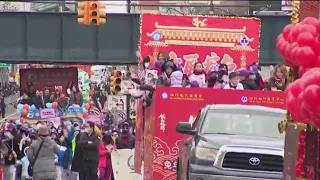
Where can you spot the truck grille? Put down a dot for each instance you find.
(267, 162)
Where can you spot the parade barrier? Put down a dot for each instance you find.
(157, 142)
(122, 164)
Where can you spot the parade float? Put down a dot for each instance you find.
(189, 39)
(299, 44)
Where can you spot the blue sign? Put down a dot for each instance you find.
(33, 115)
(73, 111)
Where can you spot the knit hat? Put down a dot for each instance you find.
(253, 69)
(43, 130)
(244, 72)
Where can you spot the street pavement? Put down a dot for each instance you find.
(11, 112)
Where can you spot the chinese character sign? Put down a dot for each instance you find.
(210, 40)
(41, 78)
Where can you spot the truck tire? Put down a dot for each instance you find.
(178, 170)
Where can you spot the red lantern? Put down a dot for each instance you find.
(302, 70)
(296, 87)
(311, 71)
(317, 62)
(308, 28)
(306, 39)
(294, 33)
(305, 56)
(292, 105)
(279, 38)
(312, 96)
(310, 20)
(287, 30)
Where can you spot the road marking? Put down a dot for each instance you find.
(10, 115)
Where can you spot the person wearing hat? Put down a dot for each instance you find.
(167, 68)
(10, 151)
(255, 71)
(44, 164)
(247, 79)
(126, 139)
(234, 82)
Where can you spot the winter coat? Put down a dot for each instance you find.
(104, 161)
(90, 151)
(200, 78)
(44, 166)
(76, 98)
(176, 79)
(77, 155)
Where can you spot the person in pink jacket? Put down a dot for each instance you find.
(105, 166)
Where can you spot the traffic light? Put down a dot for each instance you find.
(83, 12)
(96, 15)
(116, 82)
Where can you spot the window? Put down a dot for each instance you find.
(242, 122)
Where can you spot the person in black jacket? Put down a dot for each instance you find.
(10, 151)
(24, 99)
(2, 106)
(247, 79)
(89, 143)
(126, 139)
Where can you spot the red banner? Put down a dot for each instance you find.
(173, 105)
(210, 40)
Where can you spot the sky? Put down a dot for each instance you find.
(116, 6)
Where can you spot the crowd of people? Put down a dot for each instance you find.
(8, 89)
(70, 151)
(218, 77)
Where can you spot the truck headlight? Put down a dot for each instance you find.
(206, 153)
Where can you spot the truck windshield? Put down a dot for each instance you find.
(242, 122)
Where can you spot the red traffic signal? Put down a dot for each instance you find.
(94, 6)
(117, 73)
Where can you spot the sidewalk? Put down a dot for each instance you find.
(11, 99)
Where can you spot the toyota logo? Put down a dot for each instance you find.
(254, 161)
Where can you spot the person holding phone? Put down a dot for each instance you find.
(279, 78)
(105, 148)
